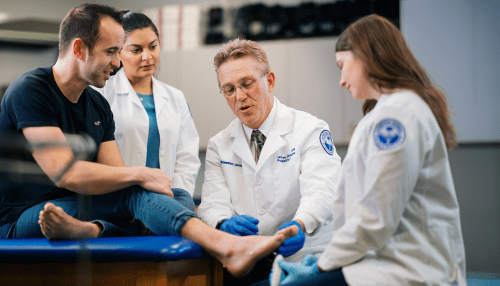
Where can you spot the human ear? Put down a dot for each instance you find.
(271, 81)
(79, 48)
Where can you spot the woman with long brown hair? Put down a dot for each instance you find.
(396, 215)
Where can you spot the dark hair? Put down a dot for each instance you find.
(83, 22)
(134, 21)
(390, 64)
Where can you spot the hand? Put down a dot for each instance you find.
(241, 225)
(155, 180)
(294, 243)
(292, 272)
(309, 260)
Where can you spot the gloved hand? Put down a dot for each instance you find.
(294, 243)
(291, 272)
(241, 225)
(309, 260)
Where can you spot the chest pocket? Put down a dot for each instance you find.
(287, 186)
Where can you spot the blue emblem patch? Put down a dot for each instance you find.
(326, 141)
(389, 134)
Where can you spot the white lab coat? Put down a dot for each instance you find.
(179, 140)
(396, 215)
(294, 178)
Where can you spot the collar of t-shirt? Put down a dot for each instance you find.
(265, 128)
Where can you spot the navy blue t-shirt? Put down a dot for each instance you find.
(35, 100)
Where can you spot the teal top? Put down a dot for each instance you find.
(153, 152)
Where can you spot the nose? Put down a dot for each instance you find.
(115, 61)
(342, 82)
(239, 94)
(146, 55)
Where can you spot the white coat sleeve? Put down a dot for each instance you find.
(187, 162)
(215, 198)
(319, 174)
(385, 189)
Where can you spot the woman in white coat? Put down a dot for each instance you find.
(154, 126)
(396, 216)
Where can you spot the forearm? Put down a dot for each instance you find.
(89, 178)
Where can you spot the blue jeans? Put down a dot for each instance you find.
(330, 278)
(162, 214)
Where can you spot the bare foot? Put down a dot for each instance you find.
(55, 223)
(243, 252)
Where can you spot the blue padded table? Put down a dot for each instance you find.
(149, 260)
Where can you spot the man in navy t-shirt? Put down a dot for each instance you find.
(45, 103)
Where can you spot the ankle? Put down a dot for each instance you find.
(97, 228)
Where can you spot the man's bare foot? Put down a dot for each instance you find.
(55, 223)
(243, 252)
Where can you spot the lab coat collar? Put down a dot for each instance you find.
(240, 144)
(265, 128)
(283, 124)
(123, 87)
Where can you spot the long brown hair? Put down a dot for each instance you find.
(390, 64)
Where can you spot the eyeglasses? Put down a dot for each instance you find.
(246, 85)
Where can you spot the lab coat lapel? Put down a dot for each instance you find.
(160, 96)
(282, 125)
(124, 88)
(273, 143)
(240, 145)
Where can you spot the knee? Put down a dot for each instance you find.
(184, 198)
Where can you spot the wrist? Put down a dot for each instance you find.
(138, 175)
(219, 223)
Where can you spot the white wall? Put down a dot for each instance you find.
(457, 42)
(15, 60)
(56, 10)
(307, 79)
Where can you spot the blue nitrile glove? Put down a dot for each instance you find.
(241, 225)
(292, 272)
(294, 243)
(308, 260)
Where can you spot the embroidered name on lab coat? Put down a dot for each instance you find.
(229, 163)
(286, 158)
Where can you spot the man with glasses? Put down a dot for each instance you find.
(272, 167)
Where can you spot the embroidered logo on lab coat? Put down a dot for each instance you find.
(389, 133)
(326, 141)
